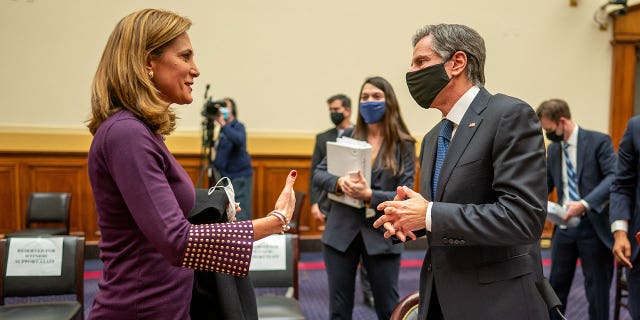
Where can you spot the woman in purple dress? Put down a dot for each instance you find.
(141, 192)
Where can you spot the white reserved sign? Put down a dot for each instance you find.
(35, 257)
(269, 253)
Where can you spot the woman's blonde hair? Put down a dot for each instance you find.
(122, 82)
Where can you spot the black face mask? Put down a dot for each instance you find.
(553, 136)
(337, 117)
(425, 84)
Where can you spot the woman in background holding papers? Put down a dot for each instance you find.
(349, 232)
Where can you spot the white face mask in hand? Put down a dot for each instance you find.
(228, 189)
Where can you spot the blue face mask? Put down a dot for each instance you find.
(372, 111)
(225, 113)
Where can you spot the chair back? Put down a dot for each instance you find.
(49, 207)
(407, 308)
(70, 281)
(287, 278)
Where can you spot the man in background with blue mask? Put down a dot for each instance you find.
(483, 196)
(232, 159)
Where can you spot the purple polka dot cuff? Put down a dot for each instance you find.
(221, 247)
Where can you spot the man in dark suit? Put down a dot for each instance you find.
(625, 211)
(580, 167)
(482, 194)
(340, 109)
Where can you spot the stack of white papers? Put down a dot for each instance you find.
(347, 156)
(556, 214)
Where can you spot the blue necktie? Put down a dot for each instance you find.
(571, 175)
(443, 145)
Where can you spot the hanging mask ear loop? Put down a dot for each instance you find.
(228, 189)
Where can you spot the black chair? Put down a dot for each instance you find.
(622, 291)
(295, 219)
(47, 208)
(407, 308)
(281, 307)
(71, 281)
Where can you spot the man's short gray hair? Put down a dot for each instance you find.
(449, 38)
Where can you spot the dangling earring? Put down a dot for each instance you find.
(150, 74)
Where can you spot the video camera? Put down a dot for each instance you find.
(211, 108)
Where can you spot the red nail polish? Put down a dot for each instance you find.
(294, 173)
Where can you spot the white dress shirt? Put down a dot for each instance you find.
(455, 115)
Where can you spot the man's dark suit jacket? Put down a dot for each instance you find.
(625, 189)
(595, 172)
(320, 152)
(483, 254)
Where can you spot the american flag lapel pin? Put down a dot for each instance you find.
(472, 125)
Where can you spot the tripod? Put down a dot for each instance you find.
(210, 110)
(207, 156)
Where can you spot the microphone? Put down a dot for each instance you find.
(549, 296)
(206, 91)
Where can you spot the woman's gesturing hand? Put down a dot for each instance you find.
(287, 200)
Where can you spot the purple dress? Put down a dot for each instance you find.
(148, 248)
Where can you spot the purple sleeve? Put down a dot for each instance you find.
(138, 161)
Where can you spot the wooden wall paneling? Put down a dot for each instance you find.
(88, 213)
(626, 38)
(309, 226)
(269, 177)
(53, 175)
(23, 173)
(10, 216)
(86, 205)
(257, 196)
(627, 27)
(193, 165)
(622, 89)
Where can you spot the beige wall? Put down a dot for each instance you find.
(281, 59)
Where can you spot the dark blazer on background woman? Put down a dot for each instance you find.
(345, 222)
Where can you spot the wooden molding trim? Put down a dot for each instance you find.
(79, 142)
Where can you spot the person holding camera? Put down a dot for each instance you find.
(232, 159)
(142, 194)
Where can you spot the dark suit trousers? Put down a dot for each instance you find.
(633, 282)
(435, 312)
(597, 266)
(383, 273)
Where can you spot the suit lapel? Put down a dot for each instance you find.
(581, 153)
(468, 126)
(555, 151)
(376, 174)
(333, 134)
(429, 148)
